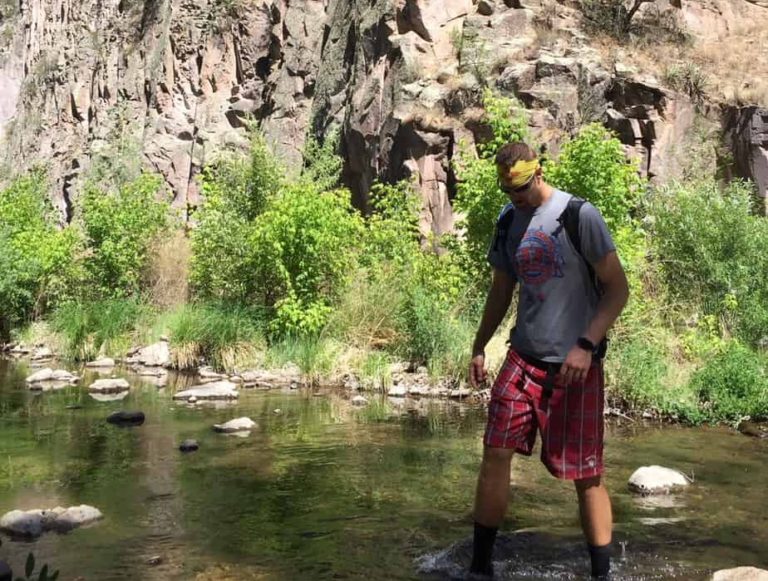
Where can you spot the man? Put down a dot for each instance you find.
(552, 378)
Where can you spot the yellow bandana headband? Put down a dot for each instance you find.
(521, 173)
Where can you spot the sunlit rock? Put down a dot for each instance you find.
(656, 480)
(210, 391)
(33, 523)
(741, 574)
(236, 425)
(114, 385)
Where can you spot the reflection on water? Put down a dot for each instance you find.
(324, 490)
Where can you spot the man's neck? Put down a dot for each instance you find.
(544, 195)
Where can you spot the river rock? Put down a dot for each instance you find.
(48, 374)
(103, 362)
(207, 374)
(189, 446)
(656, 480)
(155, 355)
(261, 378)
(460, 393)
(115, 385)
(33, 523)
(123, 418)
(741, 574)
(397, 391)
(42, 354)
(6, 574)
(754, 429)
(237, 425)
(359, 400)
(211, 391)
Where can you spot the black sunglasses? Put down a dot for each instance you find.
(517, 190)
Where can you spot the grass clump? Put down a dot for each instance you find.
(223, 336)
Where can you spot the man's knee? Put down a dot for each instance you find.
(585, 485)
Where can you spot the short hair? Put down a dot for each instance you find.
(511, 153)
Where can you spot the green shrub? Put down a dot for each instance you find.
(711, 251)
(302, 251)
(392, 229)
(120, 226)
(38, 259)
(224, 336)
(594, 166)
(90, 329)
(478, 198)
(322, 163)
(637, 373)
(733, 385)
(690, 79)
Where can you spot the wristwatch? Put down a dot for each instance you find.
(586, 344)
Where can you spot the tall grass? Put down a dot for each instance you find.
(315, 356)
(223, 336)
(103, 327)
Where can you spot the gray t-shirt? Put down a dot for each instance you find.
(557, 297)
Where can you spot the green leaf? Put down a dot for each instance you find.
(30, 566)
(43, 574)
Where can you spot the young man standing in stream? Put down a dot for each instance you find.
(572, 289)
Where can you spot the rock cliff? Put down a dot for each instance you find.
(172, 83)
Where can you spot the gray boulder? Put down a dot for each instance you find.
(656, 480)
(359, 400)
(155, 355)
(33, 523)
(115, 385)
(49, 375)
(42, 354)
(219, 390)
(108, 397)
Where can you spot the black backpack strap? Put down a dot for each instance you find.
(569, 220)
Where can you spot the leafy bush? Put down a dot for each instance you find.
(733, 385)
(711, 251)
(594, 166)
(236, 190)
(301, 252)
(120, 226)
(322, 163)
(37, 259)
(478, 198)
(93, 328)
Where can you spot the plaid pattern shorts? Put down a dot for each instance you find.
(570, 420)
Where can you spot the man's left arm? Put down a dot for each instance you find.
(599, 249)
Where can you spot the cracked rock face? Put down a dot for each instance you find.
(402, 79)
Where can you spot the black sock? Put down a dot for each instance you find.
(601, 559)
(482, 553)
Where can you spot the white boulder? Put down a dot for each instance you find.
(397, 391)
(33, 523)
(359, 400)
(656, 480)
(741, 574)
(40, 376)
(41, 354)
(108, 397)
(155, 355)
(237, 425)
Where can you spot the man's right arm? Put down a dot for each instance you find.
(496, 307)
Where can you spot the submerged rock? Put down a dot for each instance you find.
(108, 397)
(207, 374)
(656, 480)
(189, 446)
(123, 418)
(261, 378)
(115, 385)
(33, 523)
(103, 362)
(211, 391)
(741, 574)
(237, 425)
(6, 574)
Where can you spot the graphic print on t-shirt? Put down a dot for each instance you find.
(538, 258)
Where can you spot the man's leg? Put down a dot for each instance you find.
(490, 505)
(596, 522)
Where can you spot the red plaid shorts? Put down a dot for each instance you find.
(570, 419)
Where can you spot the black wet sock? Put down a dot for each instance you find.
(601, 560)
(482, 553)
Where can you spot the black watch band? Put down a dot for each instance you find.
(586, 344)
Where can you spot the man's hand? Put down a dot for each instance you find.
(477, 372)
(576, 365)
